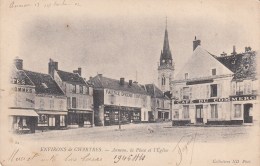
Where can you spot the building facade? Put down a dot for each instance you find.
(22, 117)
(160, 104)
(50, 101)
(117, 101)
(79, 95)
(166, 66)
(205, 92)
(244, 85)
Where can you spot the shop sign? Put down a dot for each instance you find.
(18, 81)
(123, 93)
(228, 99)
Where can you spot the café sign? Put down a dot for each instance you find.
(228, 99)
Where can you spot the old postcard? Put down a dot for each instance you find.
(123, 82)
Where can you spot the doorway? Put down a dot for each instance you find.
(248, 118)
(199, 113)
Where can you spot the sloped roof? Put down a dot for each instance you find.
(166, 52)
(154, 91)
(20, 75)
(44, 83)
(200, 65)
(109, 83)
(243, 65)
(73, 78)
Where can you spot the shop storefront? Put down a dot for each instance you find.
(217, 111)
(23, 120)
(114, 114)
(51, 120)
(78, 118)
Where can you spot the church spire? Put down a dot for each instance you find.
(166, 55)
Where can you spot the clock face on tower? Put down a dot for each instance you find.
(163, 60)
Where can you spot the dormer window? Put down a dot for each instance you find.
(186, 76)
(214, 71)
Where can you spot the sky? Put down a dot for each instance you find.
(124, 39)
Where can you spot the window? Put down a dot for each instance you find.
(186, 93)
(68, 102)
(51, 121)
(41, 103)
(213, 90)
(77, 88)
(74, 102)
(73, 88)
(43, 120)
(61, 104)
(144, 101)
(186, 112)
(84, 90)
(80, 89)
(237, 110)
(62, 120)
(87, 90)
(213, 72)
(163, 80)
(186, 76)
(214, 111)
(158, 104)
(90, 91)
(240, 88)
(51, 103)
(176, 115)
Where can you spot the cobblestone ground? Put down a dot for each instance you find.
(162, 132)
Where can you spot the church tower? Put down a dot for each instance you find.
(166, 65)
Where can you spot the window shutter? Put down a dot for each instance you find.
(208, 90)
(233, 88)
(219, 86)
(190, 93)
(249, 87)
(181, 93)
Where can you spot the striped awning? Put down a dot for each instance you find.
(22, 112)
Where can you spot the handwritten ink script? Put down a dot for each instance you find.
(183, 151)
(43, 3)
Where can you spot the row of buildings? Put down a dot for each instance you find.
(209, 89)
(61, 99)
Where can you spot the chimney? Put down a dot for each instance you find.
(18, 63)
(223, 54)
(247, 49)
(234, 51)
(196, 43)
(90, 78)
(130, 82)
(79, 71)
(100, 75)
(52, 67)
(122, 81)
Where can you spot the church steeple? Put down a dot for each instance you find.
(166, 55)
(166, 66)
